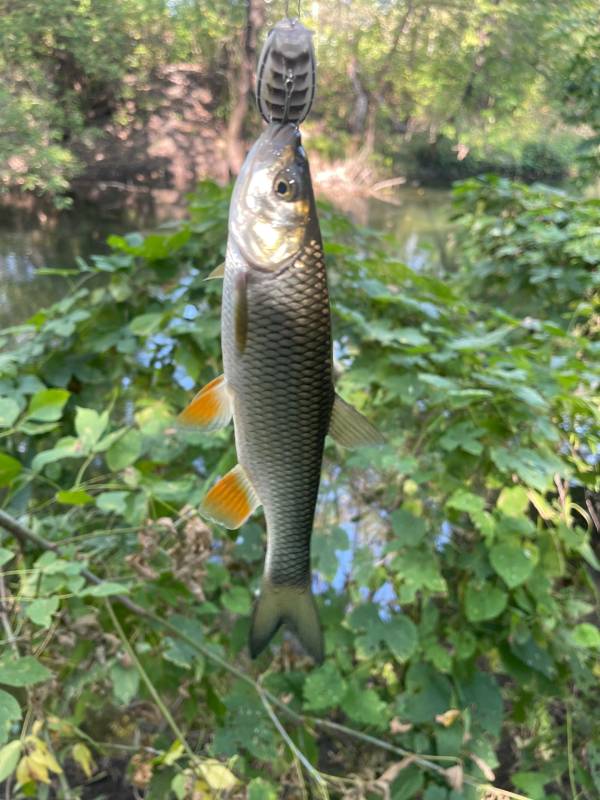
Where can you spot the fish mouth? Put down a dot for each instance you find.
(280, 135)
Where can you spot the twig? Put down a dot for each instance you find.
(10, 635)
(149, 685)
(593, 514)
(24, 535)
(314, 774)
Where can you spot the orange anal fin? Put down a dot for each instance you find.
(231, 500)
(211, 408)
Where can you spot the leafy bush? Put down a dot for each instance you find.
(456, 573)
(533, 249)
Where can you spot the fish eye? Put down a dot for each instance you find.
(285, 188)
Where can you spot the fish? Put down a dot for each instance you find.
(277, 382)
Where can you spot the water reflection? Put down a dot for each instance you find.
(31, 239)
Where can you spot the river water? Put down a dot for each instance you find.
(32, 241)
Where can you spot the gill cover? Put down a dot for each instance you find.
(272, 200)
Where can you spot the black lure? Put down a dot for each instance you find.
(285, 78)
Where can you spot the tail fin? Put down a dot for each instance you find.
(290, 604)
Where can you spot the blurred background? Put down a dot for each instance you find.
(110, 112)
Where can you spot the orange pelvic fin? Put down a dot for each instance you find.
(211, 408)
(231, 500)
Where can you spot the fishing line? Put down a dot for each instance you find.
(287, 9)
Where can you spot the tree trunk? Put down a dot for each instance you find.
(240, 85)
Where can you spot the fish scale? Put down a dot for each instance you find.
(283, 394)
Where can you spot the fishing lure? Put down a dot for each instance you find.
(285, 77)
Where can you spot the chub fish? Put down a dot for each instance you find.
(277, 383)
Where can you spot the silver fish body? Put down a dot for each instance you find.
(279, 370)
(282, 389)
(277, 383)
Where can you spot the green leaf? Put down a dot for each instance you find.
(536, 657)
(179, 653)
(25, 671)
(145, 324)
(400, 635)
(586, 635)
(125, 451)
(260, 789)
(104, 589)
(110, 502)
(417, 569)
(427, 693)
(481, 694)
(40, 611)
(9, 411)
(324, 688)
(178, 786)
(462, 500)
(533, 467)
(9, 758)
(408, 784)
(125, 681)
(484, 603)
(10, 468)
(74, 497)
(5, 556)
(364, 706)
(408, 529)
(90, 425)
(435, 793)
(513, 501)
(482, 342)
(513, 564)
(237, 600)
(69, 447)
(10, 712)
(47, 405)
(532, 783)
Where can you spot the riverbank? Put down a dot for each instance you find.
(35, 239)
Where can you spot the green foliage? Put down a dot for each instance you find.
(582, 98)
(441, 91)
(63, 66)
(533, 249)
(456, 584)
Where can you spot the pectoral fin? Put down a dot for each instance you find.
(350, 428)
(231, 500)
(211, 408)
(241, 310)
(218, 272)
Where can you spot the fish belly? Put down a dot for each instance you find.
(283, 394)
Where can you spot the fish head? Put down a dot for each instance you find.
(272, 202)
